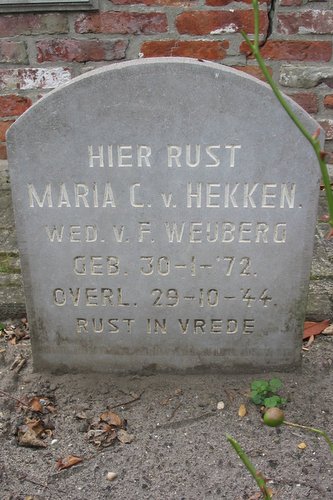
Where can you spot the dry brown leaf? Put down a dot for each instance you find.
(112, 418)
(124, 437)
(35, 404)
(242, 411)
(81, 416)
(65, 463)
(328, 330)
(37, 426)
(27, 437)
(309, 342)
(314, 328)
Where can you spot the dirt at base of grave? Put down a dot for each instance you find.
(179, 449)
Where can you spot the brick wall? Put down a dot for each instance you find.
(40, 51)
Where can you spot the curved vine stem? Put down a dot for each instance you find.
(312, 429)
(250, 467)
(313, 139)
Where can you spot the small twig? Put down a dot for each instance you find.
(312, 429)
(20, 365)
(128, 402)
(250, 467)
(186, 421)
(3, 393)
(174, 411)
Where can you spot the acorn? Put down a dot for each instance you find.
(274, 417)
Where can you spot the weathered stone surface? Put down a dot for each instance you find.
(305, 76)
(322, 264)
(162, 232)
(320, 300)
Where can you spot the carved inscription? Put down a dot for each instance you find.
(172, 282)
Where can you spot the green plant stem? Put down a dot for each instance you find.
(313, 140)
(312, 429)
(250, 467)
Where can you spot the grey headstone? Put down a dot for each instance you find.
(185, 201)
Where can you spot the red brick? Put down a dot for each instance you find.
(305, 22)
(216, 22)
(221, 3)
(33, 24)
(3, 152)
(4, 126)
(167, 3)
(307, 100)
(328, 101)
(293, 50)
(33, 78)
(80, 50)
(199, 49)
(328, 127)
(253, 71)
(13, 52)
(122, 23)
(13, 105)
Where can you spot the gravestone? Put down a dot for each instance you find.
(165, 213)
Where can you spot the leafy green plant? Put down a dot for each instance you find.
(264, 392)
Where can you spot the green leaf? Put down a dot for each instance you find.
(275, 384)
(256, 398)
(272, 401)
(260, 385)
(2, 326)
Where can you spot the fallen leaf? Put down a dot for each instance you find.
(28, 437)
(309, 342)
(65, 463)
(37, 426)
(314, 328)
(35, 404)
(328, 330)
(81, 416)
(124, 437)
(242, 411)
(301, 446)
(112, 418)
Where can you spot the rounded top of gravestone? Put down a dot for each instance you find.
(188, 78)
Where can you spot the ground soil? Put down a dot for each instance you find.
(179, 449)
